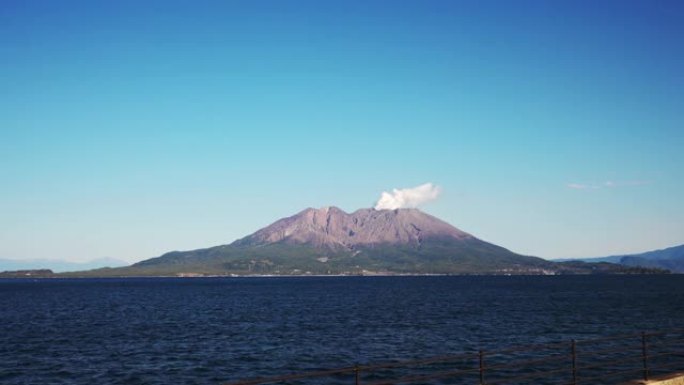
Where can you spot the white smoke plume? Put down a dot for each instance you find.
(408, 197)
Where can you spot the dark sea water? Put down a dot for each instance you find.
(210, 331)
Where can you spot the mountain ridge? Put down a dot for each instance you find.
(329, 241)
(332, 227)
(670, 258)
(58, 265)
(399, 241)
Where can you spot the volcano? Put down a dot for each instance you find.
(367, 241)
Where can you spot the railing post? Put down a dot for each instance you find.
(481, 359)
(644, 354)
(573, 352)
(356, 374)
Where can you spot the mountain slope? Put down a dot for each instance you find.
(671, 258)
(331, 241)
(333, 228)
(367, 241)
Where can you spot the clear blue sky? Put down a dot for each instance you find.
(132, 128)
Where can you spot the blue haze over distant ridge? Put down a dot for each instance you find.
(671, 258)
(59, 266)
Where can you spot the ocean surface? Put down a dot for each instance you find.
(217, 330)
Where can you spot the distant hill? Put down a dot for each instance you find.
(58, 266)
(368, 241)
(39, 273)
(671, 259)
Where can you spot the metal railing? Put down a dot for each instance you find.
(609, 360)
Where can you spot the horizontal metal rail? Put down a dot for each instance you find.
(567, 362)
(424, 361)
(630, 335)
(426, 377)
(531, 375)
(668, 342)
(666, 354)
(609, 338)
(605, 364)
(602, 352)
(298, 376)
(611, 374)
(516, 364)
(668, 366)
(522, 348)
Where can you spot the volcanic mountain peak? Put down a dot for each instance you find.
(332, 227)
(367, 241)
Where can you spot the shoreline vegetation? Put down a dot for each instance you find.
(603, 269)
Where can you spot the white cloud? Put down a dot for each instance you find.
(408, 197)
(606, 184)
(582, 186)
